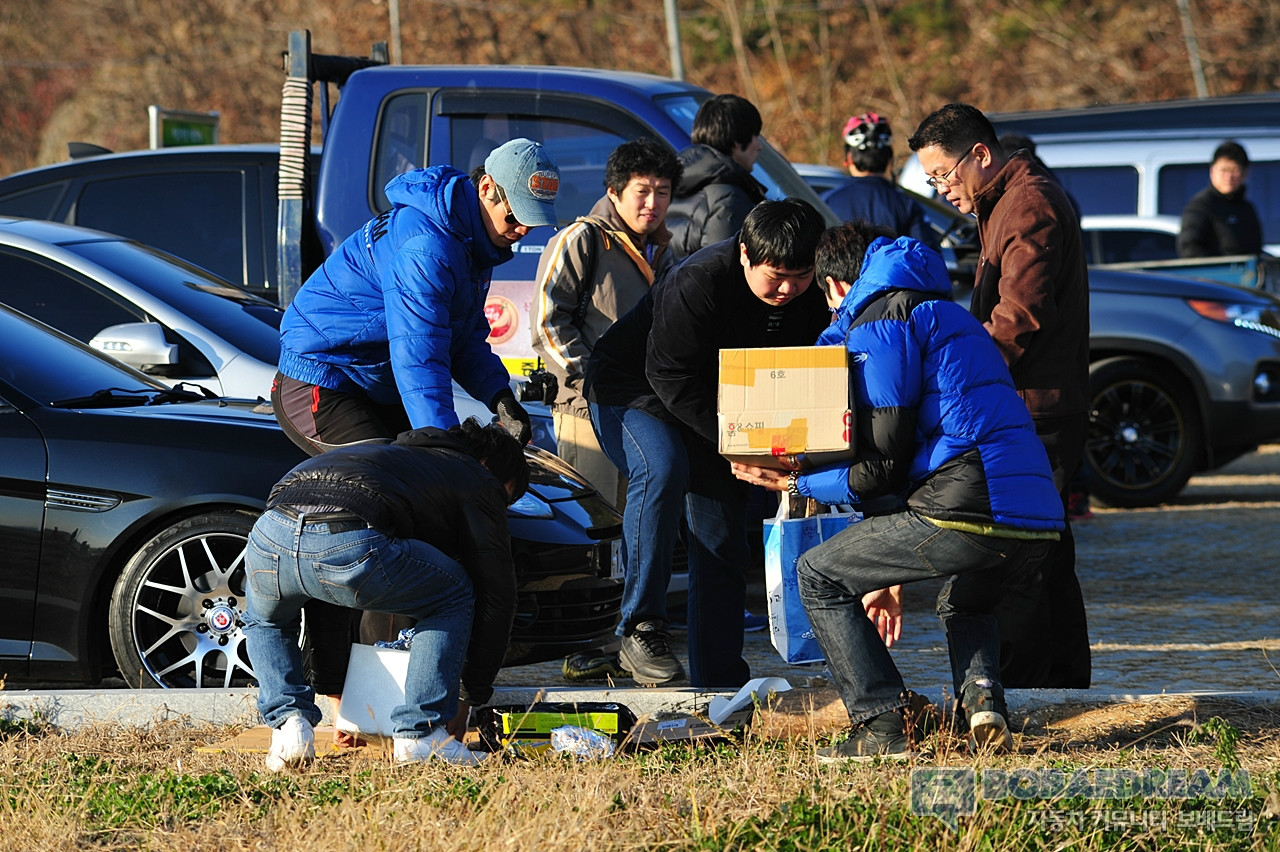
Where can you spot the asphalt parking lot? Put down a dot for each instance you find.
(1181, 598)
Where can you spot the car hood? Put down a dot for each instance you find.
(1171, 286)
(226, 411)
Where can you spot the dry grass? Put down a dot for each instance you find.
(122, 788)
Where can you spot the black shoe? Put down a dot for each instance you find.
(987, 717)
(922, 716)
(646, 653)
(884, 736)
(593, 666)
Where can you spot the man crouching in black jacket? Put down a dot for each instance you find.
(411, 528)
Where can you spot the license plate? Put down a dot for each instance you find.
(615, 559)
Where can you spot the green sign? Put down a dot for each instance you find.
(174, 127)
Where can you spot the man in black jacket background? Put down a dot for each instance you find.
(1219, 220)
(716, 190)
(652, 386)
(417, 527)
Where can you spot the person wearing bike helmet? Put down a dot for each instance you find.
(870, 194)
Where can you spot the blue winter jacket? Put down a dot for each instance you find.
(398, 309)
(939, 423)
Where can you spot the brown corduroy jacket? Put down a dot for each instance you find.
(1032, 287)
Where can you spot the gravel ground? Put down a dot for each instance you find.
(1181, 598)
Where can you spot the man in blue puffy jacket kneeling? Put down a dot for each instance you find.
(947, 469)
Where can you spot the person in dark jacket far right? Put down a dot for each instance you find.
(1219, 220)
(716, 191)
(417, 527)
(941, 429)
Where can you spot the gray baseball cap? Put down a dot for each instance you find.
(530, 179)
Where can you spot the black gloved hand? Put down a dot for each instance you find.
(512, 416)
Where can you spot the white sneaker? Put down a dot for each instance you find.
(292, 744)
(437, 744)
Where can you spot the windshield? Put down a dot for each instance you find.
(248, 322)
(45, 365)
(772, 169)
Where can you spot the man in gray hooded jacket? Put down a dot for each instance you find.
(592, 273)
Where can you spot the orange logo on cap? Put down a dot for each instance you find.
(544, 185)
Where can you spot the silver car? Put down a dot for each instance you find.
(158, 313)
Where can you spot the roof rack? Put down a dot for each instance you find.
(1222, 113)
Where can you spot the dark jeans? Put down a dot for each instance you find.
(674, 477)
(888, 550)
(1044, 633)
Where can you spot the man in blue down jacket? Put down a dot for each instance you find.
(370, 343)
(368, 346)
(941, 429)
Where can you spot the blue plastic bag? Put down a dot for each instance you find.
(785, 538)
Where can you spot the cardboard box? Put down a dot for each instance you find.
(777, 404)
(683, 727)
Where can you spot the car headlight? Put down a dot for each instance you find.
(530, 506)
(1253, 317)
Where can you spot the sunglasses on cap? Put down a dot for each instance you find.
(502, 196)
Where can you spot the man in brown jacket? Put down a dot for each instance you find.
(1031, 291)
(593, 272)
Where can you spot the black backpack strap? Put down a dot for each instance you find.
(588, 278)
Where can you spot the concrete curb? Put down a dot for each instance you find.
(71, 709)
(75, 708)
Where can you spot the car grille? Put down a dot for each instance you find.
(565, 599)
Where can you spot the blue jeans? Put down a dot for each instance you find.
(887, 550)
(292, 560)
(675, 478)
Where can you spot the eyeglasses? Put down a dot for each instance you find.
(511, 216)
(945, 180)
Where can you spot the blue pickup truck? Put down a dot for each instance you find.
(390, 118)
(1185, 375)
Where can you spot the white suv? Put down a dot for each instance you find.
(1149, 159)
(1129, 239)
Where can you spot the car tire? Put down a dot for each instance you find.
(176, 610)
(1145, 435)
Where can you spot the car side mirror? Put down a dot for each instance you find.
(138, 344)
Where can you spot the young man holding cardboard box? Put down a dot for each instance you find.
(952, 478)
(652, 387)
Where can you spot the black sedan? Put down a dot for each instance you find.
(125, 506)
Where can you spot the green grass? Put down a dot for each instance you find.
(110, 788)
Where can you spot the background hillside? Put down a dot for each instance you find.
(87, 69)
